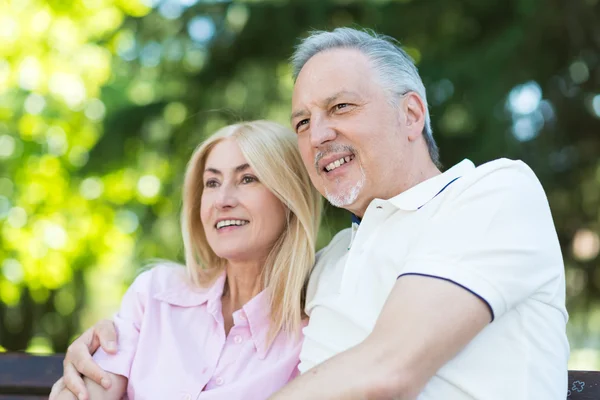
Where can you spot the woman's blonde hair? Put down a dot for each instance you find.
(271, 150)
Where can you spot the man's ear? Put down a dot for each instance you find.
(414, 114)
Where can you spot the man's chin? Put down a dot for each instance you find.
(343, 199)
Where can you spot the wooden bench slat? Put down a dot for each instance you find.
(584, 385)
(28, 374)
(30, 377)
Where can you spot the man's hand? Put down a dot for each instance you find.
(78, 360)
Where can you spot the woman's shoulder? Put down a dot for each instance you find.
(171, 283)
(161, 277)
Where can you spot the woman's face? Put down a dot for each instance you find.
(242, 219)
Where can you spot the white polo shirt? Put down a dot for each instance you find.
(487, 229)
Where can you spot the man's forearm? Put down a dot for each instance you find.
(359, 373)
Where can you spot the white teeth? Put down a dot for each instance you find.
(230, 222)
(337, 163)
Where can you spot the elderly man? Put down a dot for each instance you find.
(448, 285)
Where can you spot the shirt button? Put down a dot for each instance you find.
(237, 339)
(186, 396)
(243, 315)
(219, 381)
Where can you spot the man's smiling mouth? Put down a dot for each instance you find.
(338, 163)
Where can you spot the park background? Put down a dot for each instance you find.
(103, 101)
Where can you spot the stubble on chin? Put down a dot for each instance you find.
(346, 197)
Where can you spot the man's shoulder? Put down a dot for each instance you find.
(502, 168)
(502, 177)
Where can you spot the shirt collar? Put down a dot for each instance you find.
(183, 293)
(258, 314)
(419, 195)
(257, 311)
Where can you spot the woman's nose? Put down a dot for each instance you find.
(227, 197)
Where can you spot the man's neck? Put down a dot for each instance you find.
(410, 180)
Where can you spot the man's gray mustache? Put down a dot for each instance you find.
(332, 148)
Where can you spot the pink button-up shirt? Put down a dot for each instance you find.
(172, 343)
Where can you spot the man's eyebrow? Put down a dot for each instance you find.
(326, 102)
(339, 94)
(299, 113)
(239, 168)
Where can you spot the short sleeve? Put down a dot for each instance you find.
(128, 322)
(495, 238)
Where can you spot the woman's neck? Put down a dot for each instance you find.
(244, 281)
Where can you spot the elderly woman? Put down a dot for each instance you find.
(228, 324)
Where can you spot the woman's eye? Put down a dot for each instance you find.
(210, 184)
(249, 179)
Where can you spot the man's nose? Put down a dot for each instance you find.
(321, 132)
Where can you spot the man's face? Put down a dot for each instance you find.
(350, 136)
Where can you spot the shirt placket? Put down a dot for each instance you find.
(362, 237)
(237, 338)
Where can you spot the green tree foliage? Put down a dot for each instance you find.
(103, 101)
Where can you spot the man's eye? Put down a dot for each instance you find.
(341, 105)
(303, 122)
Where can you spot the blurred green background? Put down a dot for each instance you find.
(103, 101)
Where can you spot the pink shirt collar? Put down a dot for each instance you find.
(256, 312)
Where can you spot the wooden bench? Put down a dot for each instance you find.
(584, 385)
(29, 377)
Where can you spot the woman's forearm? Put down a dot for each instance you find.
(115, 392)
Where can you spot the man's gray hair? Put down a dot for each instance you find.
(396, 69)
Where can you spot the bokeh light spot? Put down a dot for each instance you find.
(237, 16)
(126, 221)
(4, 206)
(91, 188)
(148, 186)
(171, 9)
(34, 104)
(64, 302)
(525, 99)
(95, 110)
(9, 293)
(13, 270)
(17, 217)
(579, 72)
(586, 245)
(596, 105)
(30, 73)
(7, 146)
(175, 113)
(40, 345)
(201, 29)
(55, 236)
